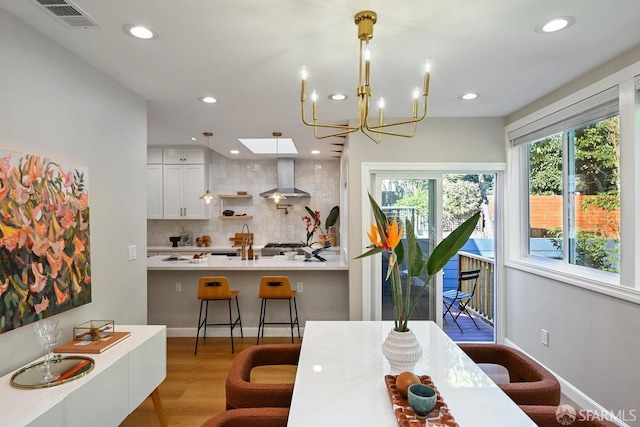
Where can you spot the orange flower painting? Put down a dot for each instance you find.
(44, 239)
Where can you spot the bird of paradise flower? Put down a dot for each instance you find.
(44, 244)
(386, 237)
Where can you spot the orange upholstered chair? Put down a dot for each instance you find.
(545, 416)
(242, 393)
(276, 288)
(529, 382)
(216, 289)
(253, 417)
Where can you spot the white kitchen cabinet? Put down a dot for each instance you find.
(183, 186)
(183, 156)
(154, 191)
(154, 156)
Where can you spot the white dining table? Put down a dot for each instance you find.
(340, 378)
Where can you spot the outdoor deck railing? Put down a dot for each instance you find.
(482, 302)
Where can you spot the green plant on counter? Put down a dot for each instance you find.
(313, 222)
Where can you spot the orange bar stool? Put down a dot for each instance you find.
(276, 287)
(216, 289)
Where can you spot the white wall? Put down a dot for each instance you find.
(438, 140)
(56, 105)
(593, 341)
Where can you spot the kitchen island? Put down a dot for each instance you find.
(323, 291)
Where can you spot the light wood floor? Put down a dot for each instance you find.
(194, 388)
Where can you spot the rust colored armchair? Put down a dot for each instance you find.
(529, 382)
(242, 393)
(254, 417)
(545, 416)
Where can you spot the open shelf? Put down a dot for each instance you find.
(238, 197)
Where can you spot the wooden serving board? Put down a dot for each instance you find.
(238, 238)
(405, 415)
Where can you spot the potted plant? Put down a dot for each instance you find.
(314, 223)
(385, 237)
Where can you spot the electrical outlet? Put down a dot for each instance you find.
(178, 287)
(132, 252)
(299, 287)
(544, 337)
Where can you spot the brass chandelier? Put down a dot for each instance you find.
(365, 20)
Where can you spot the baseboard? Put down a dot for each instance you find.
(224, 332)
(574, 393)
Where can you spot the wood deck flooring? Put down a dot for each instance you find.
(469, 331)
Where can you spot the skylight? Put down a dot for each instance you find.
(268, 145)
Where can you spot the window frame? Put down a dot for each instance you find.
(619, 285)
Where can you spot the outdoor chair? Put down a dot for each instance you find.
(458, 296)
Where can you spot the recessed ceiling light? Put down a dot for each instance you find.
(234, 152)
(338, 97)
(315, 151)
(469, 96)
(193, 138)
(140, 31)
(555, 24)
(208, 99)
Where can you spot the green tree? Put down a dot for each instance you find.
(545, 166)
(461, 198)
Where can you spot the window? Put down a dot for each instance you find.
(574, 202)
(572, 183)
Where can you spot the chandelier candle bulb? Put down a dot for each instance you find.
(427, 70)
(303, 92)
(314, 98)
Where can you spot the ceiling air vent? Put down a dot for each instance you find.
(69, 14)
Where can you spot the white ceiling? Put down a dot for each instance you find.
(248, 54)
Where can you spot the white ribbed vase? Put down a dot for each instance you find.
(402, 350)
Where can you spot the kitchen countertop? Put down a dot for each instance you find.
(222, 263)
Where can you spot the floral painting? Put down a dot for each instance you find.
(44, 239)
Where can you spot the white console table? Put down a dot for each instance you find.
(123, 377)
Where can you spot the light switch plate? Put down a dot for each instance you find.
(132, 252)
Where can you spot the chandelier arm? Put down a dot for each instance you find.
(346, 128)
(345, 132)
(378, 128)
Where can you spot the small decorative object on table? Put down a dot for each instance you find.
(386, 236)
(199, 259)
(93, 330)
(93, 337)
(204, 240)
(406, 416)
(48, 334)
(186, 238)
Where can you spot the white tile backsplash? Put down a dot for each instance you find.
(226, 176)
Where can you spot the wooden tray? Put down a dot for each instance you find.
(405, 415)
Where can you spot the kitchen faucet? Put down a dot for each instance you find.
(245, 238)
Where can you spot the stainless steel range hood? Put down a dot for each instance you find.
(286, 174)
